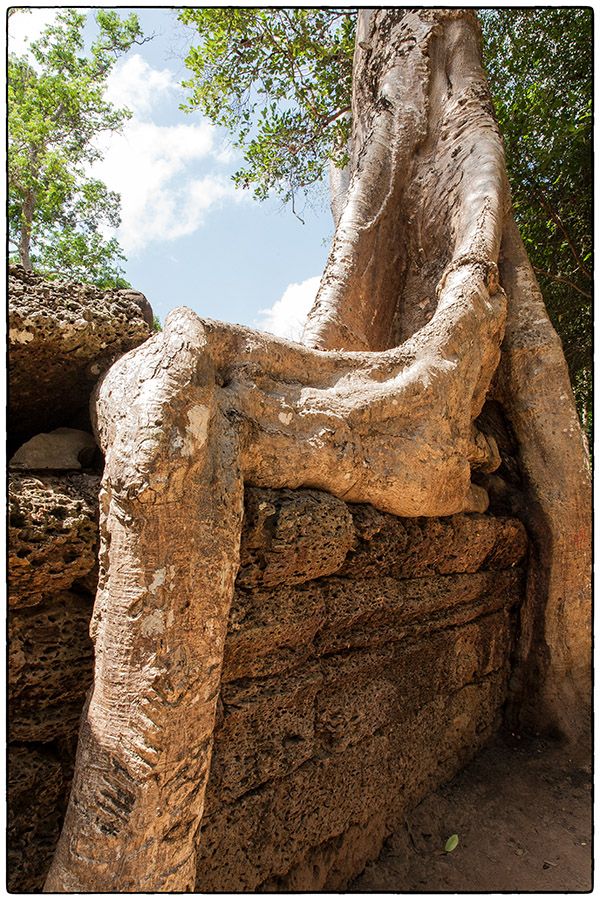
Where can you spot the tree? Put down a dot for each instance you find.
(429, 313)
(539, 62)
(56, 110)
(280, 81)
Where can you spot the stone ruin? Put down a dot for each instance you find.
(323, 580)
(367, 657)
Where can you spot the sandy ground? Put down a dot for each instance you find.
(522, 812)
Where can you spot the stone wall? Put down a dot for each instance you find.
(52, 579)
(61, 338)
(367, 659)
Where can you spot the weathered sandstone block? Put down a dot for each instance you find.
(267, 730)
(52, 534)
(37, 793)
(362, 611)
(412, 548)
(50, 667)
(276, 630)
(61, 338)
(292, 536)
(366, 659)
(258, 842)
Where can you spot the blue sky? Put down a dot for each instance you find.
(191, 238)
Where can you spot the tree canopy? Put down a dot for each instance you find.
(539, 62)
(56, 109)
(280, 81)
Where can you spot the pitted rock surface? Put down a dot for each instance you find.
(50, 667)
(61, 338)
(345, 699)
(52, 534)
(292, 832)
(366, 657)
(38, 784)
(414, 548)
(292, 536)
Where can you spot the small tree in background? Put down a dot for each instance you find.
(56, 110)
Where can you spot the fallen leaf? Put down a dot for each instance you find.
(451, 844)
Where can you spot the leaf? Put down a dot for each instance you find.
(451, 844)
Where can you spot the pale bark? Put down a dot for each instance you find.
(171, 512)
(551, 681)
(26, 228)
(428, 186)
(188, 417)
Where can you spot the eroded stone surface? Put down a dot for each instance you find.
(292, 536)
(263, 840)
(61, 338)
(52, 534)
(412, 548)
(275, 630)
(50, 664)
(324, 677)
(61, 449)
(37, 789)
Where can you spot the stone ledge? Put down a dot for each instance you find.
(61, 338)
(275, 631)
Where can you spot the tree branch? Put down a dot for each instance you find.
(562, 280)
(560, 224)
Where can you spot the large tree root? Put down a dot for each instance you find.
(185, 419)
(551, 684)
(171, 512)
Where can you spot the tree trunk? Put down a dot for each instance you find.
(551, 680)
(419, 168)
(413, 318)
(26, 228)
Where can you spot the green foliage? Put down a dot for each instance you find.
(539, 62)
(56, 109)
(279, 80)
(74, 255)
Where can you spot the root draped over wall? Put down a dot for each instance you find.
(413, 317)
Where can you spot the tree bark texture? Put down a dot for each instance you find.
(26, 228)
(406, 338)
(552, 676)
(428, 192)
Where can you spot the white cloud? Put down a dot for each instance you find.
(227, 154)
(152, 168)
(162, 172)
(287, 317)
(133, 83)
(25, 26)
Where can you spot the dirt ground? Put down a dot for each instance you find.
(523, 815)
